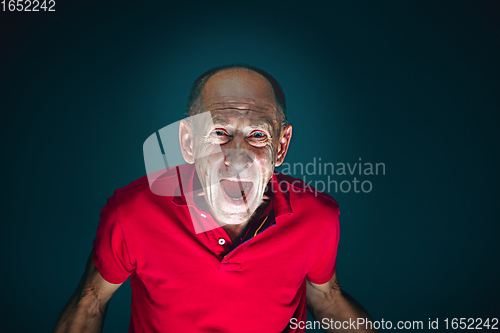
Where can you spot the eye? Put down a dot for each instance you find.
(219, 132)
(219, 136)
(259, 135)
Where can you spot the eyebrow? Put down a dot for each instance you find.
(269, 126)
(217, 121)
(220, 122)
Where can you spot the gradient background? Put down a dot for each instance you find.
(412, 85)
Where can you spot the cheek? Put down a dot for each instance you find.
(268, 155)
(265, 162)
(205, 149)
(208, 156)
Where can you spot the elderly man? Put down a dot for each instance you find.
(236, 247)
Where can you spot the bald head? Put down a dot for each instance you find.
(241, 81)
(239, 85)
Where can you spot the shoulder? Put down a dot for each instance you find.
(163, 183)
(300, 190)
(317, 207)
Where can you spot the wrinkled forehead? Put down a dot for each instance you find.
(247, 104)
(240, 94)
(248, 113)
(238, 85)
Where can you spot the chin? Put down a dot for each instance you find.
(229, 213)
(235, 220)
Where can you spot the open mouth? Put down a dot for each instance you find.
(236, 190)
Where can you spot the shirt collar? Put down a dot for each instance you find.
(281, 198)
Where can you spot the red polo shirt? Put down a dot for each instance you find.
(183, 281)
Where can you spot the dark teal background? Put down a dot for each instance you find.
(414, 85)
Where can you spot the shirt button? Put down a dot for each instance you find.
(203, 215)
(222, 241)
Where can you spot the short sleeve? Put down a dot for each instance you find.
(110, 253)
(325, 254)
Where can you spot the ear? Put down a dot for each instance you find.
(285, 137)
(186, 139)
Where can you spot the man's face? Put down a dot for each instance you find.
(235, 144)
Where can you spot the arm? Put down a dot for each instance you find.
(86, 309)
(328, 301)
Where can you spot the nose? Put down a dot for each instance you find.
(238, 159)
